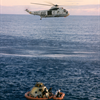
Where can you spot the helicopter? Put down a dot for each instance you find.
(54, 11)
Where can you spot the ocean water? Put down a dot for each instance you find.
(60, 52)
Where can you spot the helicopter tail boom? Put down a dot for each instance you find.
(29, 11)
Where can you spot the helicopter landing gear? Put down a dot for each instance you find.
(41, 18)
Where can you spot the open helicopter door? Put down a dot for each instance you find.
(49, 12)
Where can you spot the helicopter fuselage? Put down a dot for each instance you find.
(53, 12)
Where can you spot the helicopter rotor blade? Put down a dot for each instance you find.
(41, 4)
(66, 5)
(50, 3)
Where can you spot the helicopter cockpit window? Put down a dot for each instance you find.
(54, 9)
(65, 10)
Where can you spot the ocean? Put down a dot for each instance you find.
(59, 52)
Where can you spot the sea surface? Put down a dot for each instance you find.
(59, 52)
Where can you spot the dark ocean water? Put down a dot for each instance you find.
(60, 52)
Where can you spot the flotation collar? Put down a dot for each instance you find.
(33, 98)
(59, 98)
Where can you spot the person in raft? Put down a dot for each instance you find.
(44, 92)
(50, 92)
(58, 93)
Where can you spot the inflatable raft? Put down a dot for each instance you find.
(59, 98)
(54, 97)
(33, 98)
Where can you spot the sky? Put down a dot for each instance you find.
(74, 7)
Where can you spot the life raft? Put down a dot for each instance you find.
(59, 98)
(33, 98)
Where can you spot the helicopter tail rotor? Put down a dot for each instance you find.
(27, 10)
